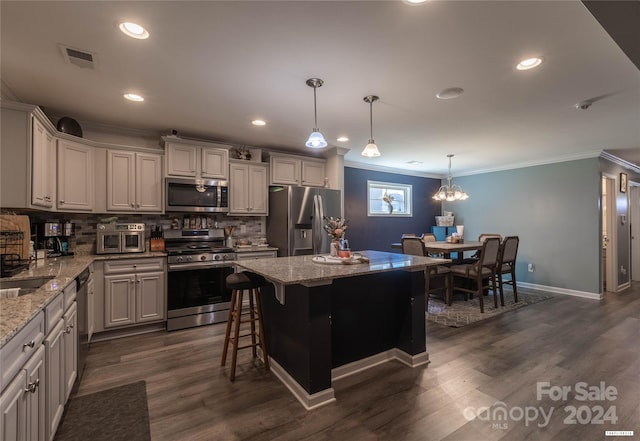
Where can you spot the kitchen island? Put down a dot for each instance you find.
(324, 321)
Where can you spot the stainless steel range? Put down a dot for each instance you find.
(198, 266)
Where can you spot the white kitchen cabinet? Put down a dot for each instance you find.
(27, 157)
(43, 171)
(70, 348)
(75, 176)
(61, 355)
(297, 170)
(248, 188)
(22, 403)
(210, 161)
(134, 181)
(214, 163)
(91, 302)
(134, 292)
(55, 387)
(181, 160)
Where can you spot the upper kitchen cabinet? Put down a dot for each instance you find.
(297, 170)
(27, 157)
(134, 181)
(248, 188)
(196, 160)
(75, 176)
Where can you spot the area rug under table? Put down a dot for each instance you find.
(120, 413)
(463, 313)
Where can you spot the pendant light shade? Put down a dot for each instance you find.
(371, 149)
(450, 192)
(316, 140)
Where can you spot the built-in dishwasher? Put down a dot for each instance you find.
(82, 282)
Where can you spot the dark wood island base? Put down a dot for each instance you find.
(345, 321)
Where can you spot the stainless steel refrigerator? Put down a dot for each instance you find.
(295, 222)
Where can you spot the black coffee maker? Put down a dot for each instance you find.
(54, 237)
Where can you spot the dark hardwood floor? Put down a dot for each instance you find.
(497, 364)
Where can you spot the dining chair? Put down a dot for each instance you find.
(430, 237)
(507, 265)
(482, 273)
(481, 238)
(415, 247)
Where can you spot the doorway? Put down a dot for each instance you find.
(609, 252)
(634, 220)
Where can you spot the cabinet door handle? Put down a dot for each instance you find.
(32, 387)
(133, 205)
(62, 201)
(31, 344)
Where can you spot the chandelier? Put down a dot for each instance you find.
(450, 192)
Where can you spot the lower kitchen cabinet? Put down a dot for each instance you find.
(22, 404)
(56, 394)
(132, 294)
(61, 355)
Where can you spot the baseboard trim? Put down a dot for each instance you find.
(374, 360)
(308, 401)
(564, 291)
(327, 396)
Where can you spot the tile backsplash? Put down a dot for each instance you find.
(84, 240)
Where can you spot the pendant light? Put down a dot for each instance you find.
(316, 140)
(450, 192)
(371, 149)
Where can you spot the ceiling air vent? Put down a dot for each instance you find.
(80, 58)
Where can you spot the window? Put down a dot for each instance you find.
(388, 199)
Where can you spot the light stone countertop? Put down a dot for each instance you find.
(16, 312)
(302, 270)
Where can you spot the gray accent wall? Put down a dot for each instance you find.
(554, 209)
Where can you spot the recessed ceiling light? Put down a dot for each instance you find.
(529, 63)
(258, 122)
(450, 93)
(134, 30)
(414, 2)
(342, 139)
(133, 97)
(414, 162)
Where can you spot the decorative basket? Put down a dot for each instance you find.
(444, 221)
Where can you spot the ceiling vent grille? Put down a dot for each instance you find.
(80, 58)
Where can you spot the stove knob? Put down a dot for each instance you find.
(227, 257)
(203, 258)
(189, 258)
(217, 257)
(179, 259)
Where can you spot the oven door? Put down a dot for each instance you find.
(197, 288)
(132, 242)
(108, 242)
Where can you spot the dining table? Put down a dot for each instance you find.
(446, 248)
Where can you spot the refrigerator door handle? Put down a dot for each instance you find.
(317, 224)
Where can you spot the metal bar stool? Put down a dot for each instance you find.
(238, 283)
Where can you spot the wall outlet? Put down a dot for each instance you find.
(243, 228)
(531, 267)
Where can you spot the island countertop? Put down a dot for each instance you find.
(302, 270)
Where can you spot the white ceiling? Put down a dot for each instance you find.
(209, 68)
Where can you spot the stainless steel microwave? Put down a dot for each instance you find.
(197, 195)
(119, 238)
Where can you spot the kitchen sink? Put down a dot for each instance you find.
(26, 286)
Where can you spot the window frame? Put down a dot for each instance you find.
(406, 189)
